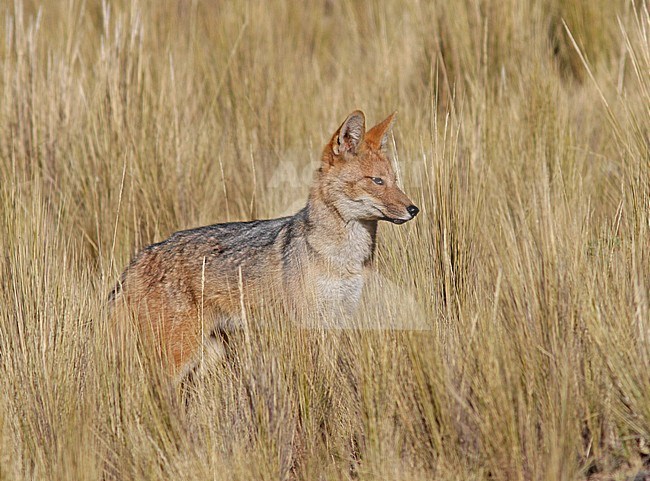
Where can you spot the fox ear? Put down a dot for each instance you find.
(350, 134)
(378, 136)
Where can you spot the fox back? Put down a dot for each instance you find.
(194, 284)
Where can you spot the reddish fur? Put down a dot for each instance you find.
(182, 289)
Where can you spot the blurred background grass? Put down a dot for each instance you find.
(121, 122)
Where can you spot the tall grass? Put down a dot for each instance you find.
(523, 134)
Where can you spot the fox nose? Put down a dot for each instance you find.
(413, 210)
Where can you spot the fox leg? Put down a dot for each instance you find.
(209, 346)
(180, 339)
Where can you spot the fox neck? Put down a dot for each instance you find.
(349, 244)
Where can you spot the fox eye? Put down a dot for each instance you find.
(378, 180)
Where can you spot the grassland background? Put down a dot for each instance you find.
(123, 122)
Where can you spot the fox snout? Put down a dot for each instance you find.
(412, 210)
(397, 207)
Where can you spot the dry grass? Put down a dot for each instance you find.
(530, 261)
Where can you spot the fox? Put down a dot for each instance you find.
(193, 286)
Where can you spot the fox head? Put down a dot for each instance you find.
(356, 176)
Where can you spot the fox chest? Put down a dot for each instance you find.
(339, 293)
